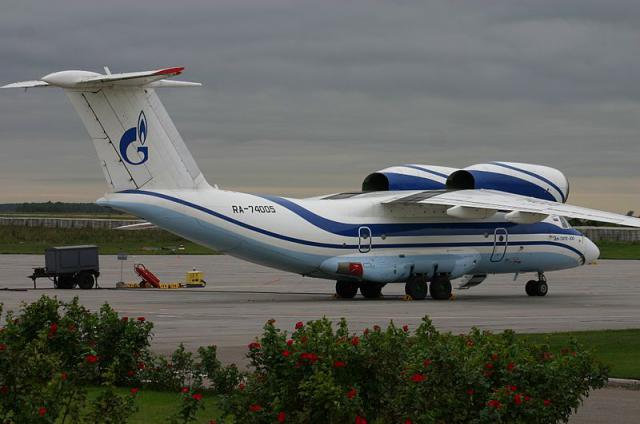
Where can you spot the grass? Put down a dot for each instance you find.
(619, 250)
(156, 406)
(618, 349)
(34, 240)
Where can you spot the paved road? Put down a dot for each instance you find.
(240, 297)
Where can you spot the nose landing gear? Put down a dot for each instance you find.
(537, 287)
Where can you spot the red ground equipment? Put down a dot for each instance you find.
(149, 279)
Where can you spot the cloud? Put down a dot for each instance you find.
(330, 91)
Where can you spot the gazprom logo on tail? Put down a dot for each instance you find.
(138, 133)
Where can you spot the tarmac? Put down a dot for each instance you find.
(240, 297)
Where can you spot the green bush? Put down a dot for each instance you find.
(317, 374)
(52, 351)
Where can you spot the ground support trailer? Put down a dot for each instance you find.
(69, 266)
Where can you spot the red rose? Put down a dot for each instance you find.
(185, 390)
(282, 416)
(513, 388)
(494, 357)
(299, 325)
(130, 373)
(197, 397)
(141, 319)
(91, 359)
(418, 378)
(3, 347)
(408, 421)
(517, 399)
(134, 390)
(125, 319)
(376, 328)
(64, 376)
(140, 365)
(547, 356)
(213, 422)
(494, 403)
(470, 392)
(405, 328)
(489, 366)
(255, 407)
(355, 341)
(339, 364)
(254, 346)
(53, 329)
(427, 362)
(360, 420)
(366, 331)
(546, 402)
(241, 386)
(510, 366)
(352, 393)
(289, 342)
(286, 353)
(42, 411)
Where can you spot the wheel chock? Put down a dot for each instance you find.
(407, 298)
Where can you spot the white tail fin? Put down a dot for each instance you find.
(137, 144)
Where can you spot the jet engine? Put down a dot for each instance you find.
(408, 177)
(525, 179)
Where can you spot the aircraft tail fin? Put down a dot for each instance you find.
(137, 143)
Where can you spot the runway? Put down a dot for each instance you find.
(240, 297)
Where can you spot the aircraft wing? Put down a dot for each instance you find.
(491, 201)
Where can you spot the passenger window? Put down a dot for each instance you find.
(565, 223)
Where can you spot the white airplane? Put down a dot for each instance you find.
(420, 225)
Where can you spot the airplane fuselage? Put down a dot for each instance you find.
(309, 236)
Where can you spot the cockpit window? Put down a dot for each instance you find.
(564, 222)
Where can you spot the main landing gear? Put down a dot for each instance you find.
(416, 287)
(346, 289)
(537, 287)
(440, 287)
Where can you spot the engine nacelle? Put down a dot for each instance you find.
(525, 179)
(408, 177)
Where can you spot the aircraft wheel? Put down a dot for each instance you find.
(531, 288)
(542, 288)
(371, 290)
(85, 281)
(416, 287)
(346, 289)
(440, 288)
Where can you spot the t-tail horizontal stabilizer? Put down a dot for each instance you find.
(89, 80)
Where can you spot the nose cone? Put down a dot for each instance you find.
(591, 251)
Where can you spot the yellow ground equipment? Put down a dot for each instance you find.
(194, 279)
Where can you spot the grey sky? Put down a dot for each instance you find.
(304, 97)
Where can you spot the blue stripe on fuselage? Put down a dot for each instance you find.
(446, 228)
(418, 229)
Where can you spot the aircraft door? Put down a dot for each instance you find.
(500, 243)
(364, 239)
